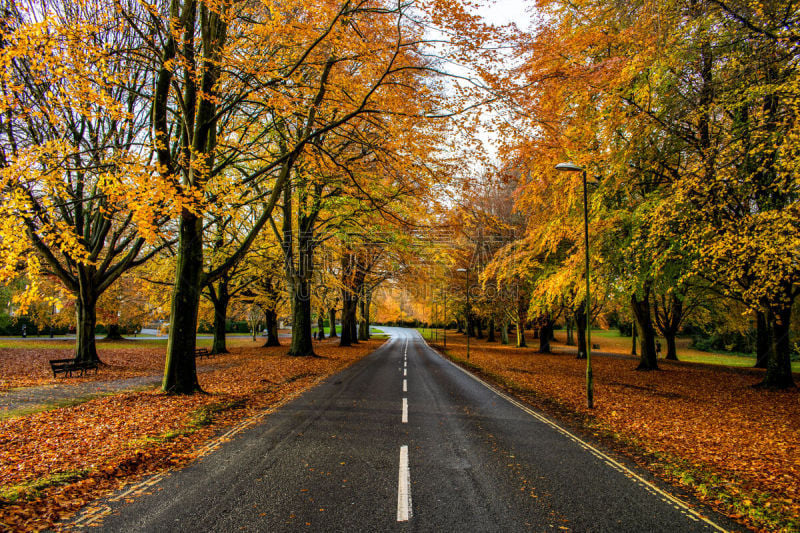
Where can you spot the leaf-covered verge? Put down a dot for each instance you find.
(25, 363)
(705, 430)
(53, 463)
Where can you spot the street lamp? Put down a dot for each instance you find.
(572, 167)
(444, 331)
(469, 309)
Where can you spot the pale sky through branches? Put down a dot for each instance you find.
(501, 12)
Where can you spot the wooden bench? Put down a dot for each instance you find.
(201, 352)
(68, 366)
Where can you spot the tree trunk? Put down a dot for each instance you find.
(470, 325)
(363, 330)
(536, 333)
(580, 329)
(668, 317)
(672, 351)
(271, 318)
(332, 317)
(641, 312)
(762, 340)
(367, 306)
(113, 333)
(544, 337)
(634, 330)
(504, 332)
(521, 334)
(321, 325)
(459, 329)
(779, 363)
(570, 332)
(86, 321)
(348, 320)
(220, 319)
(302, 345)
(180, 372)
(478, 329)
(491, 337)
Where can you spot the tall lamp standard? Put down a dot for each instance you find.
(572, 167)
(444, 331)
(469, 309)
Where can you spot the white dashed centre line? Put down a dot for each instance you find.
(405, 386)
(404, 487)
(405, 372)
(405, 411)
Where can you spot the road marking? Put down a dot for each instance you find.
(404, 487)
(405, 386)
(405, 372)
(405, 410)
(665, 496)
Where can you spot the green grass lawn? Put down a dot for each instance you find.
(611, 341)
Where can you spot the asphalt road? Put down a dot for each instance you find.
(404, 440)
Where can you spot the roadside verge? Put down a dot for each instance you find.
(690, 427)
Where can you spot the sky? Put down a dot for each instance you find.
(501, 12)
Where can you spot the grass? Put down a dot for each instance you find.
(612, 341)
(32, 489)
(205, 415)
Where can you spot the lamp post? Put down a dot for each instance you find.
(469, 309)
(444, 331)
(572, 167)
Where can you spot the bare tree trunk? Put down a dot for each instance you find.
(779, 363)
(580, 329)
(271, 318)
(491, 337)
(762, 340)
(570, 331)
(545, 335)
(321, 325)
(180, 373)
(332, 317)
(504, 332)
(641, 311)
(521, 334)
(220, 299)
(86, 319)
(302, 345)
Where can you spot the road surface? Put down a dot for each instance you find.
(403, 441)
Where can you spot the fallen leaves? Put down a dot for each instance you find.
(118, 438)
(711, 418)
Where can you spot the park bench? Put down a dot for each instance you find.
(68, 366)
(201, 352)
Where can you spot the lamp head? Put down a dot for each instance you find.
(568, 167)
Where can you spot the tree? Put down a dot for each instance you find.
(70, 134)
